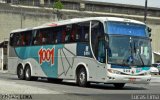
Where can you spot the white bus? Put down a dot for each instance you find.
(96, 49)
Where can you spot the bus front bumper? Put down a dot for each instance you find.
(113, 78)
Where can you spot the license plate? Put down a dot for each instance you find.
(132, 80)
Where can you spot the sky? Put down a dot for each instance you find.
(151, 3)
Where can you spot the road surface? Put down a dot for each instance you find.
(13, 88)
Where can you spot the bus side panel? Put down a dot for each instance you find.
(32, 57)
(50, 67)
(42, 59)
(12, 60)
(96, 71)
(79, 53)
(65, 61)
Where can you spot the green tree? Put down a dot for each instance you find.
(56, 7)
(58, 4)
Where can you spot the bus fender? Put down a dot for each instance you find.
(85, 66)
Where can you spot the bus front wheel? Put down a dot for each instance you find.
(82, 78)
(119, 85)
(20, 72)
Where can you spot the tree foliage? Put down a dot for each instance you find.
(58, 5)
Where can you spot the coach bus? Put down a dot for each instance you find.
(88, 50)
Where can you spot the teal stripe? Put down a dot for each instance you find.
(32, 52)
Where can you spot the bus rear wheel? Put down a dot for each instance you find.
(20, 72)
(82, 78)
(27, 73)
(119, 85)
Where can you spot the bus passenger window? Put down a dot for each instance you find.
(59, 36)
(40, 38)
(86, 36)
(54, 40)
(28, 38)
(35, 41)
(68, 33)
(77, 36)
(23, 40)
(74, 32)
(44, 39)
(72, 38)
(18, 40)
(63, 36)
(84, 32)
(67, 38)
(12, 39)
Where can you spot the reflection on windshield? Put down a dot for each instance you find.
(126, 50)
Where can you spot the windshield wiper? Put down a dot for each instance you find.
(130, 58)
(138, 54)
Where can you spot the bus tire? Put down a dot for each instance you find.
(82, 78)
(20, 72)
(27, 73)
(119, 85)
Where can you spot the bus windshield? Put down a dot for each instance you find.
(126, 50)
(125, 28)
(128, 44)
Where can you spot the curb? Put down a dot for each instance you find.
(1, 71)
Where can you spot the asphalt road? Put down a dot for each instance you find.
(67, 90)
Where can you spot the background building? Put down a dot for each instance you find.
(15, 14)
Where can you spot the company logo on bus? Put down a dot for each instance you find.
(46, 55)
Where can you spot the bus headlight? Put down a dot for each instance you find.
(114, 71)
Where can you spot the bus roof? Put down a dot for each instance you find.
(77, 20)
(21, 30)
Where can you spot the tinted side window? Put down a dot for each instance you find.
(24, 38)
(56, 35)
(83, 32)
(78, 32)
(41, 36)
(61, 34)
(14, 39)
(97, 30)
(48, 36)
(27, 37)
(21, 38)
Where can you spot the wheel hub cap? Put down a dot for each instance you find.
(82, 77)
(27, 73)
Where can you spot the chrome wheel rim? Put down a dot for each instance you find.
(21, 72)
(82, 77)
(27, 73)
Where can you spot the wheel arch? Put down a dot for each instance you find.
(82, 65)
